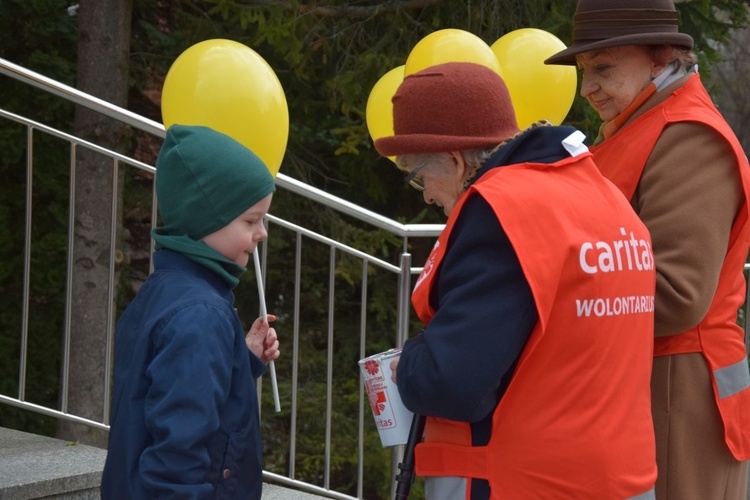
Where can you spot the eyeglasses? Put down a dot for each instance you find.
(414, 181)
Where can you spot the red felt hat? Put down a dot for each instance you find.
(449, 107)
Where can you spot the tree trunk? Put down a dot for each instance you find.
(103, 53)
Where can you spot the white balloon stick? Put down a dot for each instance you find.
(264, 314)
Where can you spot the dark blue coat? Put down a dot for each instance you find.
(184, 418)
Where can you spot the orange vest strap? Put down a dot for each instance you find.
(440, 429)
(683, 343)
(452, 460)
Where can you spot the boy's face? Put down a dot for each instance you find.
(238, 239)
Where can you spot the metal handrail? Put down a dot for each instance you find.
(76, 96)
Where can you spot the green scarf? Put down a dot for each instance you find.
(201, 253)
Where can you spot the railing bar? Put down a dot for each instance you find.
(329, 369)
(362, 409)
(26, 264)
(155, 128)
(339, 204)
(69, 280)
(78, 97)
(52, 413)
(404, 296)
(310, 488)
(356, 211)
(332, 243)
(283, 181)
(295, 353)
(346, 207)
(111, 288)
(402, 332)
(76, 140)
(413, 230)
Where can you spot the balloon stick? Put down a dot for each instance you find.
(264, 313)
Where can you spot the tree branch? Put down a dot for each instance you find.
(343, 10)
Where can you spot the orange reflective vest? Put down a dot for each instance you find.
(622, 158)
(575, 421)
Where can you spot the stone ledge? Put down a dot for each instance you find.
(34, 466)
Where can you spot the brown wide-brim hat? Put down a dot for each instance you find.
(601, 24)
(449, 107)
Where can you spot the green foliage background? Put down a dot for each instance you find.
(328, 56)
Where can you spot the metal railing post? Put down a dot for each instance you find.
(404, 296)
(402, 333)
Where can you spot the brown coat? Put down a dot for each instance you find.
(688, 196)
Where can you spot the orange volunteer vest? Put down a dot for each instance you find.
(622, 158)
(575, 421)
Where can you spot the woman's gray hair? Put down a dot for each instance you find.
(665, 54)
(473, 158)
(411, 162)
(476, 157)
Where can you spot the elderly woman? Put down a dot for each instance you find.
(664, 144)
(533, 367)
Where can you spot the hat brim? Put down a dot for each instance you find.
(568, 56)
(410, 144)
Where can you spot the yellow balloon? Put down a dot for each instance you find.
(379, 110)
(227, 86)
(450, 45)
(537, 91)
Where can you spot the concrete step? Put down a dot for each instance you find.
(275, 492)
(33, 466)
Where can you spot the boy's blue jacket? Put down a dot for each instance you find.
(184, 418)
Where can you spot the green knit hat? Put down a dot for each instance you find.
(205, 179)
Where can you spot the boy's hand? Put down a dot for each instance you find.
(262, 340)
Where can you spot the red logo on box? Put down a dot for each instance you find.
(377, 402)
(372, 367)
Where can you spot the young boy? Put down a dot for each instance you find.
(185, 410)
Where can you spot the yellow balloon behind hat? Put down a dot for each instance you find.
(450, 45)
(538, 91)
(227, 86)
(379, 110)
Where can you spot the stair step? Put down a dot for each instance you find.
(33, 466)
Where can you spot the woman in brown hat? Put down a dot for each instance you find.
(533, 367)
(667, 148)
